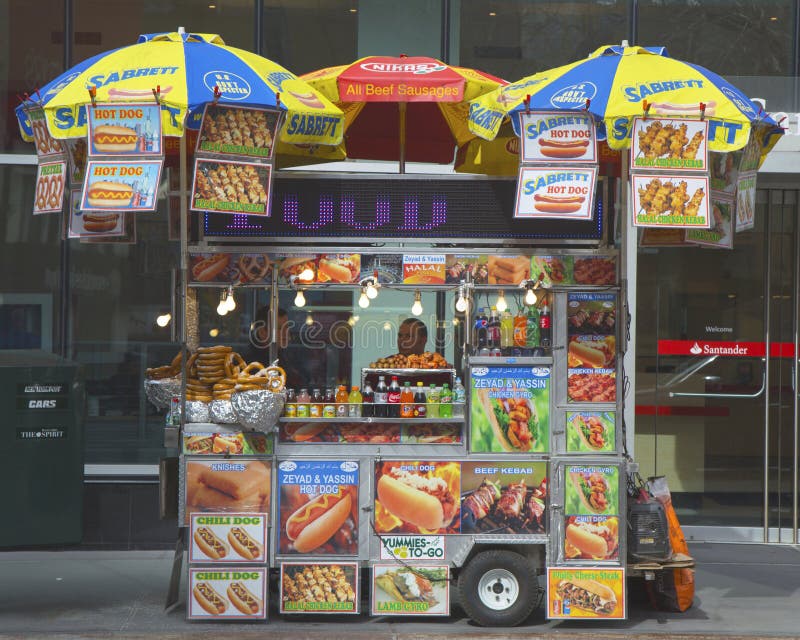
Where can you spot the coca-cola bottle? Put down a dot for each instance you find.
(545, 329)
(381, 398)
(393, 398)
(367, 401)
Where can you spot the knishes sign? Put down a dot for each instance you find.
(555, 193)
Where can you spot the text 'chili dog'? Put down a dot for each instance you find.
(563, 148)
(558, 204)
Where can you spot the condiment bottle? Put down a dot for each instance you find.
(406, 401)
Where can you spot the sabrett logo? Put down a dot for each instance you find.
(312, 125)
(126, 74)
(531, 186)
(637, 93)
(484, 117)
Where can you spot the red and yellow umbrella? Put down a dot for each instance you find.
(404, 109)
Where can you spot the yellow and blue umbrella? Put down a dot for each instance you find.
(187, 71)
(617, 83)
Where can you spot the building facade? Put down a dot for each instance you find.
(722, 429)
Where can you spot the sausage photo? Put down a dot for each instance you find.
(589, 353)
(98, 222)
(317, 521)
(691, 109)
(243, 599)
(592, 540)
(244, 544)
(210, 544)
(209, 599)
(563, 148)
(558, 204)
(423, 501)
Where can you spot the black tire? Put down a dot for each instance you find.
(509, 585)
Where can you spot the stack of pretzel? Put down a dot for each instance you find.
(215, 373)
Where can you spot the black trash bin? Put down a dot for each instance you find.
(41, 457)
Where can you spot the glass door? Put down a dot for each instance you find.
(715, 388)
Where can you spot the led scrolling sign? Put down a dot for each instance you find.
(424, 209)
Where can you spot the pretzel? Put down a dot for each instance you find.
(253, 267)
(252, 368)
(159, 373)
(276, 377)
(199, 398)
(220, 348)
(190, 370)
(52, 200)
(249, 387)
(41, 194)
(176, 361)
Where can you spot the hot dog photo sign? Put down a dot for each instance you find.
(125, 130)
(121, 185)
(318, 504)
(224, 593)
(228, 537)
(555, 193)
(554, 137)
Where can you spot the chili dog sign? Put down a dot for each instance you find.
(555, 193)
(228, 537)
(558, 137)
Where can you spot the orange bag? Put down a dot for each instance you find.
(674, 588)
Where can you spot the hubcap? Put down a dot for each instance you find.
(498, 589)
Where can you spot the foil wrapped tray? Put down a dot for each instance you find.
(222, 412)
(258, 410)
(161, 392)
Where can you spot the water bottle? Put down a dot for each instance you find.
(459, 397)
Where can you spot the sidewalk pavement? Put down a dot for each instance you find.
(742, 591)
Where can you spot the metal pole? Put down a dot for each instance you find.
(795, 376)
(184, 258)
(767, 269)
(402, 106)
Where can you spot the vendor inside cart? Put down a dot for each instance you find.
(412, 335)
(261, 339)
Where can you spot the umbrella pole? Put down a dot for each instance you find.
(628, 242)
(184, 259)
(402, 106)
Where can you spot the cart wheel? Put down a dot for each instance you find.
(498, 588)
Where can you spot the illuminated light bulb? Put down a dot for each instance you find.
(306, 274)
(214, 332)
(387, 326)
(416, 308)
(461, 303)
(222, 307)
(372, 291)
(163, 319)
(455, 322)
(530, 296)
(352, 321)
(501, 304)
(230, 302)
(363, 299)
(300, 299)
(309, 320)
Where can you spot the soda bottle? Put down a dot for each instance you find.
(420, 402)
(506, 332)
(315, 406)
(354, 403)
(481, 329)
(341, 401)
(446, 402)
(545, 330)
(381, 399)
(290, 410)
(393, 399)
(520, 326)
(434, 396)
(532, 330)
(368, 401)
(329, 404)
(303, 400)
(459, 397)
(493, 333)
(406, 401)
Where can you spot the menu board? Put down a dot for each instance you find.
(322, 587)
(586, 593)
(555, 193)
(508, 270)
(669, 144)
(504, 497)
(238, 131)
(103, 224)
(591, 490)
(231, 187)
(592, 350)
(670, 200)
(318, 505)
(410, 590)
(51, 182)
(553, 270)
(130, 129)
(417, 497)
(47, 147)
(230, 486)
(121, 185)
(745, 201)
(423, 269)
(590, 432)
(558, 137)
(222, 593)
(510, 409)
(720, 235)
(228, 537)
(231, 268)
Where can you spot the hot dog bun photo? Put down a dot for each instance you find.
(588, 354)
(211, 601)
(113, 195)
(210, 544)
(98, 222)
(558, 204)
(316, 522)
(109, 138)
(563, 148)
(423, 501)
(592, 540)
(243, 599)
(244, 544)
